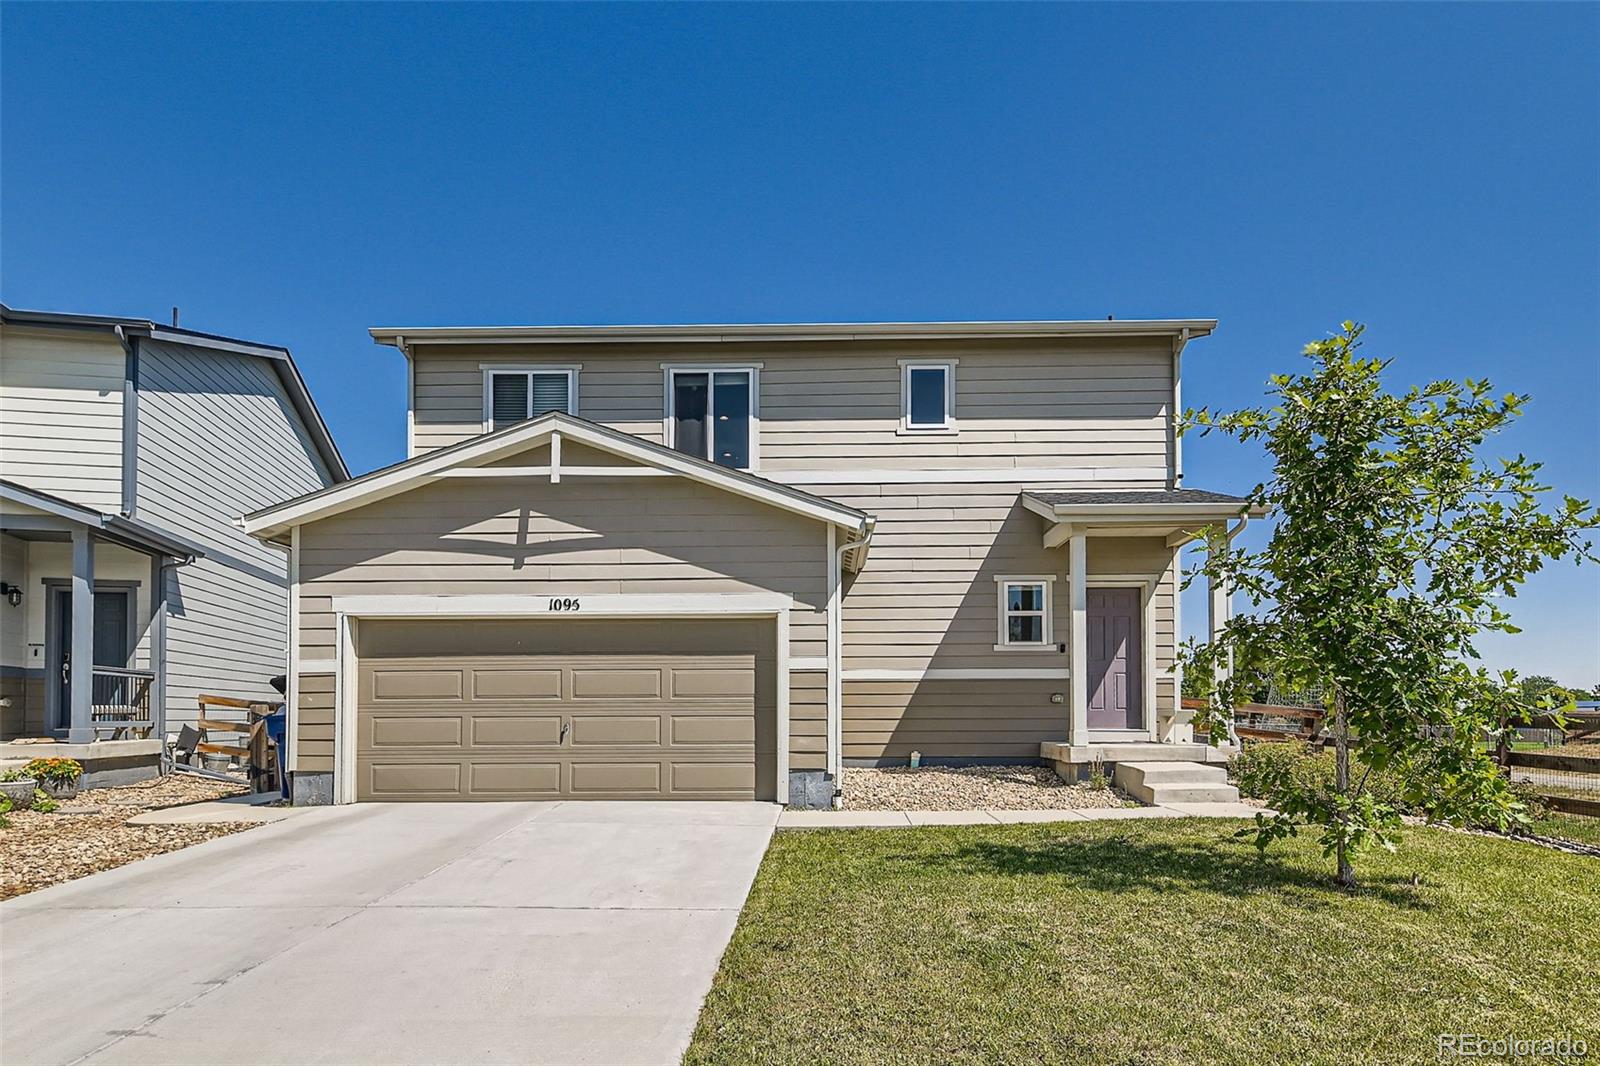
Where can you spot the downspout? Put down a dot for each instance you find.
(130, 421)
(860, 539)
(1175, 479)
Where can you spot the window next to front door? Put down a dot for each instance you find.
(1024, 612)
(712, 413)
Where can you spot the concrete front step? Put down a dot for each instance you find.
(1133, 751)
(1174, 782)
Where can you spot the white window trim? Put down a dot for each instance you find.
(1002, 632)
(491, 369)
(948, 427)
(751, 370)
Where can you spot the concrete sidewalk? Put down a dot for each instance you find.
(254, 809)
(902, 819)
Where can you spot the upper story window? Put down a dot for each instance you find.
(928, 396)
(1024, 613)
(516, 394)
(712, 413)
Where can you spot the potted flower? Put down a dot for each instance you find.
(17, 786)
(57, 777)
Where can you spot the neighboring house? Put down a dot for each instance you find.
(726, 561)
(128, 450)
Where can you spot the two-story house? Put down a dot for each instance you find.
(128, 450)
(726, 561)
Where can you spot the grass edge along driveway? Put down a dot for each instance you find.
(1147, 942)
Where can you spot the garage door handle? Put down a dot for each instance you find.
(566, 727)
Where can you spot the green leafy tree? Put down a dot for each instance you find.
(1538, 686)
(1394, 546)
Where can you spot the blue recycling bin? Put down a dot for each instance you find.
(278, 733)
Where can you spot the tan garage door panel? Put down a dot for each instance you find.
(534, 710)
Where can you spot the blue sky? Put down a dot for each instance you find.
(297, 173)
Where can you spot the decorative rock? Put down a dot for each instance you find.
(967, 788)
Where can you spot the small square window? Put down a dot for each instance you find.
(927, 397)
(1024, 613)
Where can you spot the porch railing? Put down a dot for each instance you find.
(121, 699)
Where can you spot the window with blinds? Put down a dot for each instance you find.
(518, 395)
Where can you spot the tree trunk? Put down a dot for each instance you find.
(1341, 783)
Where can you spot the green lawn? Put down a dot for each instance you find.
(1156, 941)
(1579, 827)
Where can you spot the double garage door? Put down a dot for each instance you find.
(568, 709)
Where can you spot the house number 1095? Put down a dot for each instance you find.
(568, 604)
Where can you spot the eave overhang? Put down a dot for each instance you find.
(128, 532)
(403, 337)
(1178, 515)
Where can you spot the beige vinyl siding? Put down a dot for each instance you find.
(314, 723)
(1101, 404)
(927, 600)
(808, 720)
(61, 414)
(945, 719)
(465, 536)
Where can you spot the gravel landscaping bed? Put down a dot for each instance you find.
(962, 788)
(90, 832)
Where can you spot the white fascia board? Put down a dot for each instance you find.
(1180, 512)
(814, 331)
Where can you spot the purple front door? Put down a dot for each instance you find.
(1116, 659)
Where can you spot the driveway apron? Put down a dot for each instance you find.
(391, 933)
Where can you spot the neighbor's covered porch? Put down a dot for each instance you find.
(81, 587)
(1122, 704)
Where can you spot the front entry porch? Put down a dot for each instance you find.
(1124, 711)
(84, 653)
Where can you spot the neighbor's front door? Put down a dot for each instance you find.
(1116, 658)
(111, 640)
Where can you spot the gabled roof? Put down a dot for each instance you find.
(273, 523)
(282, 362)
(127, 531)
(1178, 328)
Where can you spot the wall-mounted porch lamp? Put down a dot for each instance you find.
(12, 593)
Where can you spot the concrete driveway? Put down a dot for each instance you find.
(377, 933)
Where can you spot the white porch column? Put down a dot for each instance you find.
(1220, 611)
(80, 696)
(1078, 637)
